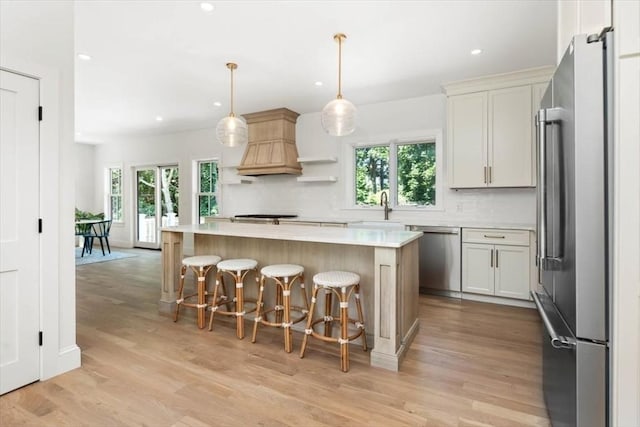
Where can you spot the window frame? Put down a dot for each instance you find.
(109, 194)
(393, 140)
(196, 186)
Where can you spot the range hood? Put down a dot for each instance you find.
(271, 148)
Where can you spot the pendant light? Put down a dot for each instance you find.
(339, 116)
(231, 130)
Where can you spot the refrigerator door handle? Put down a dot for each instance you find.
(544, 117)
(557, 341)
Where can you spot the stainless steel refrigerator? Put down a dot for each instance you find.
(573, 224)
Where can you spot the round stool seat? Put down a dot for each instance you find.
(200, 266)
(336, 279)
(237, 268)
(201, 260)
(282, 270)
(237, 264)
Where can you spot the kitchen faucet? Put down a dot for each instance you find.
(384, 201)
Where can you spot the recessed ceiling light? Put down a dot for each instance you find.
(159, 118)
(318, 83)
(207, 7)
(476, 51)
(84, 57)
(217, 104)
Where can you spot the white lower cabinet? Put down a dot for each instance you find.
(478, 274)
(496, 262)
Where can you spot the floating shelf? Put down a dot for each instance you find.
(317, 159)
(317, 179)
(240, 180)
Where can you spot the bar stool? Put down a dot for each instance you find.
(200, 265)
(348, 283)
(284, 276)
(237, 269)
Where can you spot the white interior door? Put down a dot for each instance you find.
(19, 235)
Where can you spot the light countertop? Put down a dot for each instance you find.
(301, 233)
(422, 222)
(462, 223)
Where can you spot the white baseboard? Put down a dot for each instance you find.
(69, 358)
(498, 300)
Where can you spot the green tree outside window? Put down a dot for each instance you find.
(413, 174)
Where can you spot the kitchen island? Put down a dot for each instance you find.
(387, 262)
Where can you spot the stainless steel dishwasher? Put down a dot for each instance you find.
(439, 249)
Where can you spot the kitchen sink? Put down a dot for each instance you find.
(378, 225)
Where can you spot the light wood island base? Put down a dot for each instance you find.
(389, 276)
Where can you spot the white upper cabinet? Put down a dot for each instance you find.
(467, 139)
(509, 142)
(491, 129)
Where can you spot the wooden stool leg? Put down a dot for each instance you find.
(307, 330)
(259, 306)
(202, 298)
(344, 331)
(183, 270)
(239, 305)
(361, 317)
(328, 324)
(279, 303)
(214, 304)
(304, 294)
(286, 325)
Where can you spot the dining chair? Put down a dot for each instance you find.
(101, 231)
(85, 231)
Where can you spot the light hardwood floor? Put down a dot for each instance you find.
(472, 364)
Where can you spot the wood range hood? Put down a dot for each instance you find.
(271, 149)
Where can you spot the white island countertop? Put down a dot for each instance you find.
(301, 233)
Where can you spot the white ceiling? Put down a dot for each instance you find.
(167, 58)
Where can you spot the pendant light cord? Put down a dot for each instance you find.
(339, 38)
(339, 67)
(231, 66)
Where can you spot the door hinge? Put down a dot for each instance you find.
(39, 225)
(40, 113)
(40, 338)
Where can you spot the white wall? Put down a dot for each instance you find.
(626, 269)
(85, 177)
(36, 38)
(581, 17)
(283, 194)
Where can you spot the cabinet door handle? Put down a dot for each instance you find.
(493, 236)
(491, 259)
(489, 174)
(496, 258)
(485, 174)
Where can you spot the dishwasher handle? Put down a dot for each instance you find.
(435, 230)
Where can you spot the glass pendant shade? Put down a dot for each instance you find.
(339, 117)
(232, 131)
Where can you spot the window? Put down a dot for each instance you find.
(114, 197)
(406, 170)
(372, 174)
(207, 194)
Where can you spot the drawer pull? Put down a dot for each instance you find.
(493, 236)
